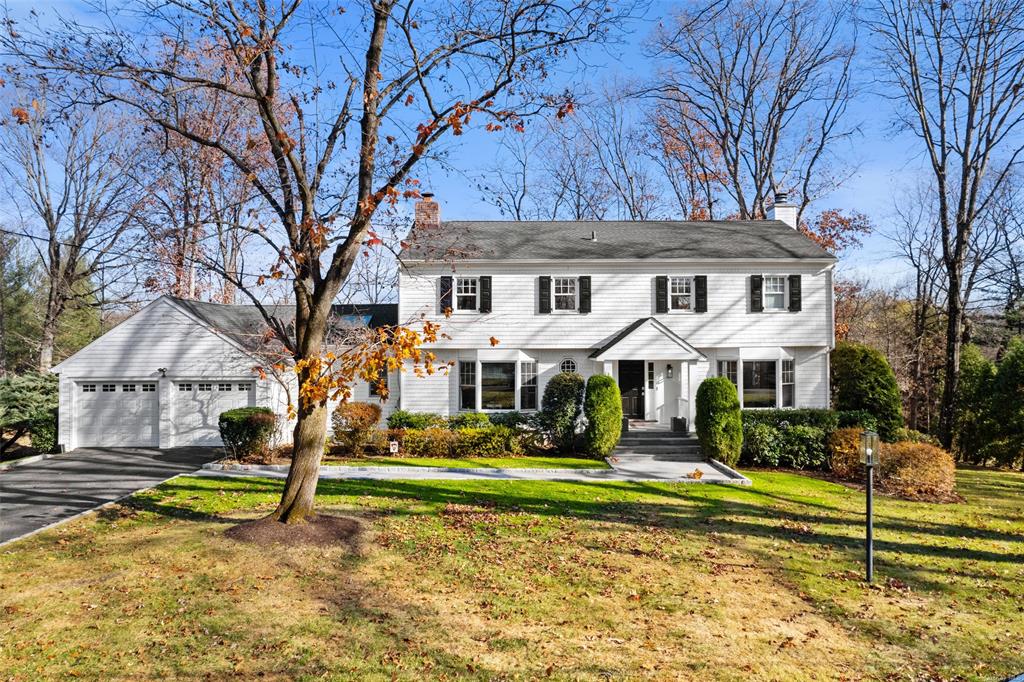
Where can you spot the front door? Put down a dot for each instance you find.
(631, 385)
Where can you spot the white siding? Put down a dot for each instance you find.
(621, 293)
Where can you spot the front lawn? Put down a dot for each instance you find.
(526, 580)
(473, 462)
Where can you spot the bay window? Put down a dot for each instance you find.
(467, 385)
(759, 382)
(788, 384)
(527, 385)
(498, 385)
(727, 369)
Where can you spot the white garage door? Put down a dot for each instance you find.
(117, 414)
(197, 406)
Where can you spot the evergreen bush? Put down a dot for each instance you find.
(863, 380)
(560, 409)
(603, 409)
(762, 445)
(719, 425)
(247, 431)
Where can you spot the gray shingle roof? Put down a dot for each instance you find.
(616, 239)
(245, 323)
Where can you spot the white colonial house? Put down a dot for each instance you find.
(659, 305)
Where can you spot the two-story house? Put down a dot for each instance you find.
(659, 305)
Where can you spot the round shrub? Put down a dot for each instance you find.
(603, 409)
(863, 380)
(762, 445)
(917, 471)
(803, 447)
(354, 424)
(468, 420)
(560, 408)
(247, 431)
(404, 419)
(718, 422)
(844, 453)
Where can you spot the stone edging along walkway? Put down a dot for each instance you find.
(712, 472)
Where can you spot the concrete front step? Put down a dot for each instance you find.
(641, 459)
(656, 449)
(657, 441)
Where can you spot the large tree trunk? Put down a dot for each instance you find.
(47, 341)
(299, 490)
(951, 383)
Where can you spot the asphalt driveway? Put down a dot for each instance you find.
(33, 496)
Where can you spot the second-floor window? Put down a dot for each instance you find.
(467, 292)
(774, 292)
(564, 290)
(680, 293)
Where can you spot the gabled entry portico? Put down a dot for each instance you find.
(654, 367)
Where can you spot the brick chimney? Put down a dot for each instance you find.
(783, 210)
(428, 212)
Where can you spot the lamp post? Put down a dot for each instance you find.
(869, 446)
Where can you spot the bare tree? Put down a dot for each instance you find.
(66, 173)
(401, 77)
(769, 82)
(956, 71)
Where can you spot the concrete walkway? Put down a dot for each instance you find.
(34, 496)
(636, 469)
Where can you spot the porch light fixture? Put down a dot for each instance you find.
(668, 371)
(869, 451)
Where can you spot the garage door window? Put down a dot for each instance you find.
(109, 388)
(223, 387)
(88, 388)
(149, 388)
(205, 387)
(128, 388)
(244, 387)
(184, 387)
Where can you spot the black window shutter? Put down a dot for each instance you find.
(795, 295)
(661, 294)
(446, 293)
(545, 295)
(585, 294)
(756, 301)
(700, 291)
(485, 293)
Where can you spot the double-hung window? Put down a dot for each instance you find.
(788, 384)
(467, 293)
(774, 296)
(727, 369)
(527, 385)
(467, 385)
(564, 289)
(680, 293)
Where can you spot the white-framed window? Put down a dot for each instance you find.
(184, 387)
(467, 293)
(788, 383)
(109, 388)
(727, 369)
(650, 375)
(567, 365)
(774, 292)
(527, 385)
(759, 383)
(680, 293)
(498, 385)
(467, 385)
(223, 387)
(564, 291)
(205, 387)
(149, 388)
(88, 388)
(244, 387)
(128, 388)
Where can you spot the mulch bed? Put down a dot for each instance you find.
(320, 530)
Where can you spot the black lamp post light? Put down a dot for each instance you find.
(869, 447)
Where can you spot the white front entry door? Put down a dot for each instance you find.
(198, 405)
(118, 414)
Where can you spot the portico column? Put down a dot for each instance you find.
(690, 395)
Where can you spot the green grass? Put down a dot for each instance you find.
(526, 580)
(474, 462)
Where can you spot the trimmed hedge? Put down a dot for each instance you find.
(403, 419)
(247, 431)
(826, 420)
(762, 445)
(468, 420)
(603, 409)
(354, 424)
(863, 380)
(560, 409)
(491, 441)
(803, 447)
(718, 422)
(488, 441)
